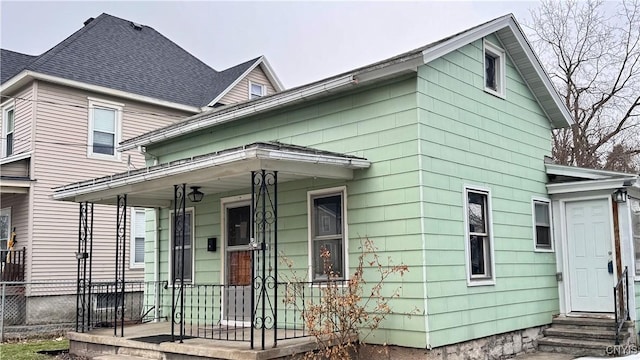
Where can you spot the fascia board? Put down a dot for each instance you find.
(27, 75)
(268, 70)
(70, 192)
(585, 173)
(234, 83)
(264, 104)
(591, 185)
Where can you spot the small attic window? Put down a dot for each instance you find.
(136, 26)
(494, 70)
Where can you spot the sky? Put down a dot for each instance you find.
(303, 41)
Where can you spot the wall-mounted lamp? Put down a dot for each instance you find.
(620, 196)
(195, 195)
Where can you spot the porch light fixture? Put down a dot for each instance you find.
(195, 195)
(620, 196)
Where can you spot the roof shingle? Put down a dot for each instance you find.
(118, 54)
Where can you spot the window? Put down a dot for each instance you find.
(256, 90)
(182, 247)
(634, 203)
(327, 234)
(542, 224)
(104, 129)
(5, 232)
(8, 125)
(494, 69)
(107, 301)
(138, 230)
(478, 244)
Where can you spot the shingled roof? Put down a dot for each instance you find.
(122, 55)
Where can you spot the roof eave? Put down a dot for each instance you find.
(583, 173)
(25, 76)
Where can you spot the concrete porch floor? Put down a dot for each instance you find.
(103, 342)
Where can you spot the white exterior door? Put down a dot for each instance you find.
(589, 253)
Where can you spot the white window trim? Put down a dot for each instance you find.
(7, 210)
(547, 201)
(484, 280)
(262, 86)
(633, 245)
(110, 105)
(345, 229)
(501, 76)
(193, 253)
(6, 107)
(132, 244)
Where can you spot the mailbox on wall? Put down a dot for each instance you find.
(212, 244)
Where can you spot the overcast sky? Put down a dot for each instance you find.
(303, 41)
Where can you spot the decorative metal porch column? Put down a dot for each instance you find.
(121, 247)
(264, 264)
(83, 287)
(179, 219)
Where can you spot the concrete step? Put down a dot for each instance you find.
(563, 331)
(117, 357)
(587, 323)
(577, 347)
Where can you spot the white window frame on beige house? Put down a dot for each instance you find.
(5, 236)
(263, 90)
(99, 104)
(8, 107)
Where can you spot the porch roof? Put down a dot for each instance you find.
(215, 172)
(570, 179)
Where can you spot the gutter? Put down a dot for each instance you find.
(237, 111)
(27, 75)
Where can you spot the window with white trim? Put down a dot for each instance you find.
(256, 90)
(494, 69)
(542, 224)
(327, 234)
(5, 228)
(634, 204)
(138, 230)
(105, 121)
(479, 244)
(182, 247)
(8, 127)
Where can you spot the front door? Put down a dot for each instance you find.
(589, 252)
(236, 306)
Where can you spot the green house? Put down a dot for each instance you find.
(439, 156)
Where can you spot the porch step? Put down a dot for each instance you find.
(582, 336)
(575, 347)
(117, 357)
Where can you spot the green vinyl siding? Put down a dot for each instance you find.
(427, 135)
(378, 123)
(470, 137)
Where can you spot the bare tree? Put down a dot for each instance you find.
(592, 53)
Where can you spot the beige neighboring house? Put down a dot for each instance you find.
(63, 114)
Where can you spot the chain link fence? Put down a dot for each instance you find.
(33, 309)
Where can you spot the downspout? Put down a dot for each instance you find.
(423, 231)
(156, 265)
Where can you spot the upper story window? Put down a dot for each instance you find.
(8, 126)
(256, 90)
(494, 69)
(105, 121)
(479, 239)
(327, 234)
(542, 224)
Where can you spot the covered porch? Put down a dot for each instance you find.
(233, 294)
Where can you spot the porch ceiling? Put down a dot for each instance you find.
(216, 172)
